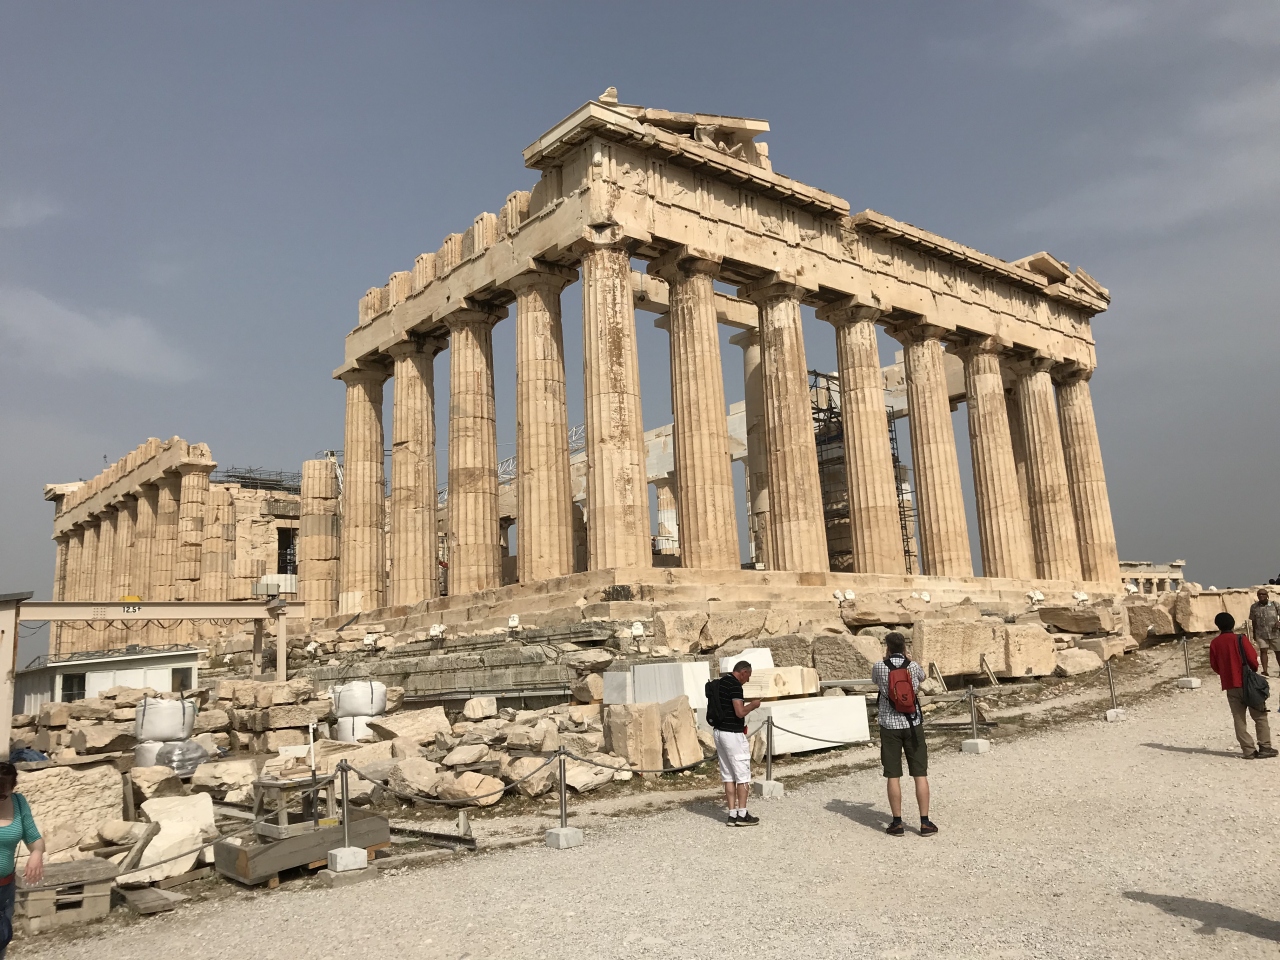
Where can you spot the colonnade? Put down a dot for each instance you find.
(1042, 500)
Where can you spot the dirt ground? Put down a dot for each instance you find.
(1071, 838)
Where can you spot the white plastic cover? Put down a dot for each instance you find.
(164, 719)
(360, 698)
(183, 755)
(353, 730)
(144, 754)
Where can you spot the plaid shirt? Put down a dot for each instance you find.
(1265, 617)
(887, 716)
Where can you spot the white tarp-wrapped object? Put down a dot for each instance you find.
(360, 698)
(164, 720)
(353, 730)
(182, 755)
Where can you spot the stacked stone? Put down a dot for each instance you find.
(319, 537)
(263, 717)
(217, 550)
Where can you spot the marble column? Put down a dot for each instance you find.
(1002, 526)
(1053, 526)
(544, 496)
(874, 519)
(319, 538)
(413, 576)
(218, 546)
(164, 548)
(60, 562)
(757, 463)
(105, 579)
(126, 523)
(1099, 558)
(475, 553)
(75, 564)
(1019, 440)
(192, 499)
(797, 524)
(618, 534)
(89, 560)
(941, 526)
(141, 581)
(700, 434)
(668, 516)
(363, 493)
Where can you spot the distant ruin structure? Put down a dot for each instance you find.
(696, 198)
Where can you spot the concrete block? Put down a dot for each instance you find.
(660, 682)
(1189, 683)
(760, 658)
(767, 789)
(346, 878)
(348, 858)
(975, 746)
(1116, 716)
(562, 838)
(842, 719)
(618, 687)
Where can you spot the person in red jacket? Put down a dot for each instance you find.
(1224, 657)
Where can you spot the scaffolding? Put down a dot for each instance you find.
(257, 478)
(906, 503)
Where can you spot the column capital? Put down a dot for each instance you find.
(852, 309)
(366, 371)
(915, 330)
(415, 344)
(1031, 365)
(777, 284)
(1071, 371)
(540, 273)
(972, 346)
(606, 238)
(471, 313)
(194, 466)
(746, 338)
(685, 261)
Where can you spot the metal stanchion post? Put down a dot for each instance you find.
(563, 836)
(975, 744)
(1187, 681)
(1115, 714)
(347, 864)
(346, 820)
(768, 787)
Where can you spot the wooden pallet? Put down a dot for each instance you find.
(258, 863)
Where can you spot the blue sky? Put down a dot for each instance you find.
(194, 196)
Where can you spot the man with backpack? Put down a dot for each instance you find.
(1264, 622)
(726, 714)
(901, 731)
(1233, 659)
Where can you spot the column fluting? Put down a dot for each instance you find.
(319, 538)
(164, 548)
(1099, 557)
(192, 500)
(141, 581)
(757, 463)
(414, 568)
(363, 493)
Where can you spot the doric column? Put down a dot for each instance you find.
(1019, 438)
(192, 500)
(89, 560)
(668, 516)
(617, 484)
(363, 493)
(1053, 526)
(105, 579)
(757, 464)
(126, 521)
(700, 434)
(164, 548)
(141, 581)
(413, 473)
(61, 557)
(475, 554)
(940, 525)
(218, 545)
(797, 526)
(319, 535)
(75, 564)
(1002, 527)
(874, 519)
(1099, 558)
(544, 497)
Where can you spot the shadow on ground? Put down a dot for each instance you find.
(1212, 916)
(1201, 750)
(710, 809)
(863, 813)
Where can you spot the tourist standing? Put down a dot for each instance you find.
(1264, 623)
(16, 823)
(733, 750)
(1225, 658)
(902, 731)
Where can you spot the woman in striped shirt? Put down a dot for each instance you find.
(16, 823)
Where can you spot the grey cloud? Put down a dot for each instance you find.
(19, 212)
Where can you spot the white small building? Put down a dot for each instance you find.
(78, 675)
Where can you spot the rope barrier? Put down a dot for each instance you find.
(605, 766)
(839, 743)
(417, 797)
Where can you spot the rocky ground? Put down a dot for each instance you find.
(1072, 838)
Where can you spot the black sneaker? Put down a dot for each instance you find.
(1266, 752)
(896, 829)
(927, 828)
(730, 821)
(747, 820)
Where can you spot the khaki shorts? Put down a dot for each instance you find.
(894, 743)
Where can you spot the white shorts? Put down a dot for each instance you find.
(733, 751)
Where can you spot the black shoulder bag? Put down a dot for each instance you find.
(1254, 689)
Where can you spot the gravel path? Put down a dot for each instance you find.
(1141, 839)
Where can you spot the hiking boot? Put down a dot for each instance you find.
(928, 828)
(896, 829)
(1250, 756)
(747, 820)
(1267, 752)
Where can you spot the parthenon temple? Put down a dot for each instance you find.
(695, 200)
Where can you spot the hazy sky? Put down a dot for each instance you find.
(194, 196)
